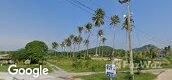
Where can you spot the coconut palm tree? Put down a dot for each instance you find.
(68, 43)
(88, 28)
(63, 46)
(100, 35)
(86, 42)
(124, 1)
(103, 44)
(76, 41)
(55, 46)
(72, 43)
(98, 17)
(98, 20)
(80, 30)
(114, 23)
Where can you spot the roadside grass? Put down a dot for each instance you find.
(120, 76)
(169, 58)
(81, 65)
(4, 68)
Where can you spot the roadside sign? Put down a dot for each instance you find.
(110, 70)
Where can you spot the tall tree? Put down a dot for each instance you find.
(103, 44)
(101, 35)
(76, 40)
(114, 23)
(72, 42)
(88, 28)
(68, 43)
(86, 42)
(98, 20)
(80, 30)
(55, 46)
(63, 46)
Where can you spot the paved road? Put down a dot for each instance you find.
(167, 75)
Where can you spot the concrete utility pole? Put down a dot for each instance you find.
(129, 39)
(129, 30)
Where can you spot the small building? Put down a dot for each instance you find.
(5, 59)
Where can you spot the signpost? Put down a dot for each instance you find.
(111, 71)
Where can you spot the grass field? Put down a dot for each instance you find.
(74, 65)
(4, 68)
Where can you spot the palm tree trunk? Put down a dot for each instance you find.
(70, 50)
(97, 45)
(88, 43)
(99, 48)
(102, 49)
(113, 47)
(74, 51)
(79, 47)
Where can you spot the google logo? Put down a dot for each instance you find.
(36, 72)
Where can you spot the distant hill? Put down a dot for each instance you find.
(145, 47)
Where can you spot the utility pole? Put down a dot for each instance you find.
(129, 30)
(129, 39)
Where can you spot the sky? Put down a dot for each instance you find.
(22, 21)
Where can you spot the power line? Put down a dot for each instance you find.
(90, 10)
(74, 4)
(80, 3)
(151, 38)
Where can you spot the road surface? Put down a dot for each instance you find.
(166, 75)
(57, 74)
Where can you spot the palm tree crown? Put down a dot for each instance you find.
(115, 20)
(100, 33)
(98, 18)
(80, 29)
(124, 1)
(125, 24)
(68, 42)
(55, 45)
(88, 27)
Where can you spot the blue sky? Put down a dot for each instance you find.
(22, 21)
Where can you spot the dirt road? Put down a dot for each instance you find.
(167, 75)
(57, 74)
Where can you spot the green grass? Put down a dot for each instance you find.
(4, 68)
(169, 58)
(79, 65)
(120, 76)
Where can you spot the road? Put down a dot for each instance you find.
(166, 75)
(60, 74)
(57, 74)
